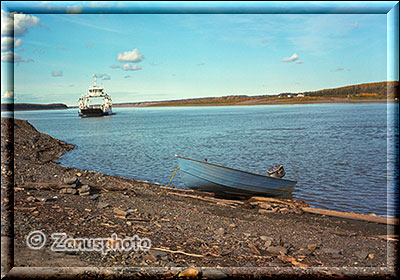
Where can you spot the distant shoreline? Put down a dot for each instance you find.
(38, 107)
(378, 92)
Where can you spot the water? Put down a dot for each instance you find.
(338, 153)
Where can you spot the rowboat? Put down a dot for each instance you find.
(225, 181)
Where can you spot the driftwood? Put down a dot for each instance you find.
(225, 202)
(187, 191)
(287, 202)
(178, 252)
(352, 216)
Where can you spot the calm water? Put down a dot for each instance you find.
(338, 153)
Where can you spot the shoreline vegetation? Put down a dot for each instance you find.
(362, 93)
(192, 233)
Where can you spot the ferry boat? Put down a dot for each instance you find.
(95, 103)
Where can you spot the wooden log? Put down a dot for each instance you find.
(211, 199)
(352, 216)
(288, 202)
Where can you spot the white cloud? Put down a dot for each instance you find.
(127, 76)
(11, 57)
(21, 23)
(299, 62)
(294, 57)
(57, 73)
(130, 56)
(115, 66)
(7, 43)
(129, 67)
(103, 77)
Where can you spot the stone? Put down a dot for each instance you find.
(232, 225)
(362, 255)
(84, 193)
(102, 205)
(158, 254)
(266, 238)
(94, 197)
(79, 174)
(371, 256)
(312, 246)
(220, 231)
(277, 250)
(68, 191)
(71, 180)
(119, 212)
(84, 188)
(189, 273)
(31, 199)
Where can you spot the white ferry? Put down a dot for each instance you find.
(95, 103)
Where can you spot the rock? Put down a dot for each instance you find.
(246, 234)
(171, 264)
(312, 247)
(84, 193)
(84, 189)
(31, 199)
(119, 212)
(276, 250)
(362, 255)
(158, 254)
(94, 197)
(220, 231)
(68, 191)
(79, 174)
(71, 180)
(102, 205)
(232, 225)
(45, 199)
(371, 256)
(189, 273)
(266, 238)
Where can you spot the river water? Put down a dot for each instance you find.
(342, 155)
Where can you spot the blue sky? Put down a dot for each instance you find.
(143, 57)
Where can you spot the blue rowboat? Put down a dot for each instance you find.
(225, 181)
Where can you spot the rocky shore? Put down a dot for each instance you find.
(191, 233)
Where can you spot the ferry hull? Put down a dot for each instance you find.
(93, 113)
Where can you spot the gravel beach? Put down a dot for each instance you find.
(192, 234)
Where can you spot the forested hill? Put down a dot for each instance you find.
(387, 89)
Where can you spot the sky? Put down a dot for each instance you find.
(147, 57)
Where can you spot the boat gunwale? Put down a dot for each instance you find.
(251, 173)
